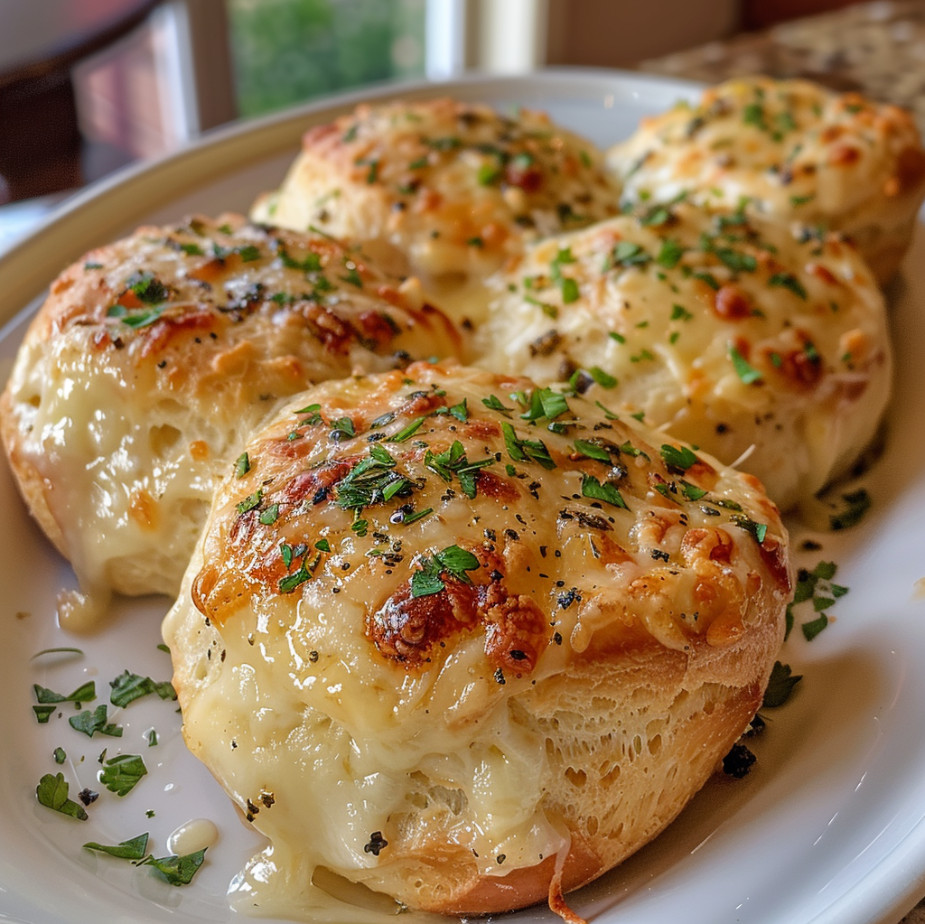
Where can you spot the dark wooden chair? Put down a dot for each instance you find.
(41, 147)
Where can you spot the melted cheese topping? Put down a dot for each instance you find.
(728, 330)
(442, 188)
(151, 360)
(410, 558)
(790, 149)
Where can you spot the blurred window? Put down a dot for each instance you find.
(288, 51)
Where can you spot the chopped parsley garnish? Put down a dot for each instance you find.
(52, 793)
(133, 849)
(85, 693)
(691, 491)
(96, 721)
(452, 560)
(757, 530)
(342, 427)
(602, 378)
(135, 318)
(567, 286)
(352, 276)
(492, 402)
(790, 282)
(121, 774)
(816, 586)
(780, 685)
(679, 458)
(488, 174)
(372, 165)
(655, 216)
(591, 487)
(570, 290)
(592, 451)
(408, 518)
(744, 369)
(459, 411)
(310, 263)
(128, 687)
(148, 288)
(735, 260)
(177, 870)
(627, 253)
(753, 114)
(406, 432)
(242, 465)
(269, 515)
(670, 253)
(445, 143)
(453, 461)
(312, 414)
(629, 449)
(250, 502)
(543, 402)
(707, 278)
(248, 253)
(371, 481)
(306, 567)
(857, 503)
(812, 628)
(522, 450)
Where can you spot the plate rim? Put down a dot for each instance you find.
(885, 892)
(137, 189)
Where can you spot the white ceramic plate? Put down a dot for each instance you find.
(827, 828)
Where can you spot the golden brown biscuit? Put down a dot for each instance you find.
(793, 150)
(718, 326)
(443, 189)
(474, 647)
(154, 356)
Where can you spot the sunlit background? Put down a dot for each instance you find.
(88, 86)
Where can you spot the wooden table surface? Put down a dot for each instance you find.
(875, 48)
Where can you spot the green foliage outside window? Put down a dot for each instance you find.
(288, 51)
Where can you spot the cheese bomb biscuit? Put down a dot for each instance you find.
(467, 641)
(720, 327)
(794, 150)
(439, 188)
(154, 356)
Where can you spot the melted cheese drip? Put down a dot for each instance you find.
(277, 883)
(195, 834)
(349, 756)
(121, 430)
(329, 746)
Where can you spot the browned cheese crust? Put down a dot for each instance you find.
(151, 359)
(770, 350)
(468, 641)
(441, 188)
(792, 150)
